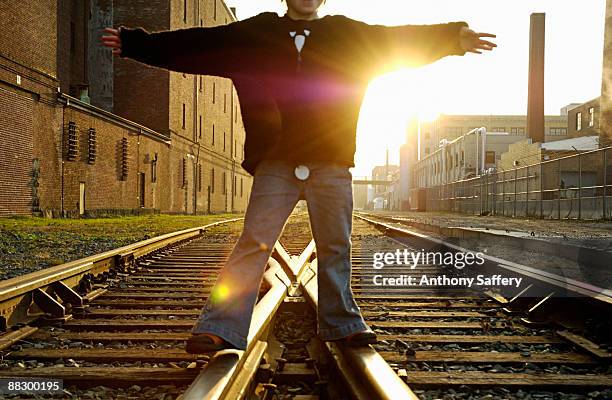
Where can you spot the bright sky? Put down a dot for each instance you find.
(491, 83)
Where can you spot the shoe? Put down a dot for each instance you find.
(360, 339)
(200, 344)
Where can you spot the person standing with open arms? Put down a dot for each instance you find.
(300, 80)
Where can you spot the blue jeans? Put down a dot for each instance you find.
(275, 192)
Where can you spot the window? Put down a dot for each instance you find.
(236, 114)
(235, 147)
(490, 157)
(579, 121)
(183, 115)
(224, 183)
(498, 129)
(200, 128)
(456, 159)
(124, 159)
(184, 173)
(201, 84)
(91, 156)
(591, 117)
(224, 141)
(71, 145)
(462, 157)
(212, 180)
(241, 187)
(184, 10)
(199, 177)
(224, 103)
(213, 137)
(215, 10)
(521, 131)
(558, 131)
(214, 93)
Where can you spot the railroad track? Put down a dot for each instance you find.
(114, 325)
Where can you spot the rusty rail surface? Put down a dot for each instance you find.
(229, 373)
(39, 288)
(366, 373)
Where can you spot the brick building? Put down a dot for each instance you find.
(583, 119)
(86, 132)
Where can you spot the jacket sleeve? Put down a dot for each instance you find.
(383, 48)
(220, 50)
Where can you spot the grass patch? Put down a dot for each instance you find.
(28, 244)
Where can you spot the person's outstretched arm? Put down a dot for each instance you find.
(382, 48)
(220, 50)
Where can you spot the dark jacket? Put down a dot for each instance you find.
(296, 105)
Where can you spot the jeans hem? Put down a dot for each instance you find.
(343, 331)
(226, 334)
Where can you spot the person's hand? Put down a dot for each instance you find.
(471, 41)
(112, 40)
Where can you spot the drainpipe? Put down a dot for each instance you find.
(196, 178)
(62, 157)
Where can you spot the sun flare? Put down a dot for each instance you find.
(390, 102)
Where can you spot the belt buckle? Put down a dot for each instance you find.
(302, 172)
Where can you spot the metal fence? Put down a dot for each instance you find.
(572, 187)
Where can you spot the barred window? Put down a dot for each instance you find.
(124, 158)
(92, 153)
(71, 141)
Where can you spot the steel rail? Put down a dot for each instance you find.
(228, 373)
(582, 288)
(366, 373)
(17, 294)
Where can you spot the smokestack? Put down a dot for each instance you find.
(605, 121)
(535, 102)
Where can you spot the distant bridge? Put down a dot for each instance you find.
(372, 182)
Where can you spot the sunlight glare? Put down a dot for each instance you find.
(390, 102)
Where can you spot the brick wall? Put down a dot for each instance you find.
(140, 92)
(16, 158)
(150, 96)
(29, 33)
(583, 109)
(47, 149)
